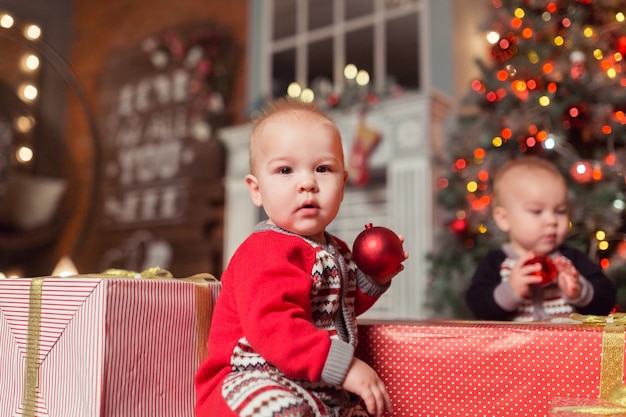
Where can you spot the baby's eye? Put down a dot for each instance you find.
(322, 168)
(285, 170)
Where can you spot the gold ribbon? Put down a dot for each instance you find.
(31, 364)
(612, 389)
(615, 318)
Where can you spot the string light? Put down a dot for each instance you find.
(558, 40)
(493, 37)
(30, 62)
(28, 92)
(550, 142)
(294, 90)
(24, 154)
(24, 123)
(362, 78)
(26, 87)
(350, 71)
(307, 95)
(6, 21)
(32, 32)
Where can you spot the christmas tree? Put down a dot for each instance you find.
(555, 87)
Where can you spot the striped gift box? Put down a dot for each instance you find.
(101, 347)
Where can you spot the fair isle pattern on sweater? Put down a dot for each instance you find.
(554, 304)
(258, 389)
(266, 393)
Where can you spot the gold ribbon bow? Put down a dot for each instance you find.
(155, 272)
(612, 389)
(150, 273)
(615, 318)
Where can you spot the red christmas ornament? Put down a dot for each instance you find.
(377, 251)
(458, 227)
(547, 271)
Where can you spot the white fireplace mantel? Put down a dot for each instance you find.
(402, 201)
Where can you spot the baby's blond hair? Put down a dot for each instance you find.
(283, 107)
(530, 163)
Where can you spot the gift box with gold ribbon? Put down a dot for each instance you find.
(611, 400)
(478, 369)
(103, 345)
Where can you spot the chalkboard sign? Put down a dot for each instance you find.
(161, 103)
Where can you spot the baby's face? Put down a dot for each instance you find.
(299, 174)
(536, 210)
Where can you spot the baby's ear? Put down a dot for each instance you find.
(253, 189)
(501, 218)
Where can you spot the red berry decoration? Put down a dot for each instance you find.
(547, 271)
(377, 251)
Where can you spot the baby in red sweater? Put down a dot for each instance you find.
(284, 329)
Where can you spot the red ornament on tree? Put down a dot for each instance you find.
(458, 227)
(547, 271)
(377, 251)
(621, 45)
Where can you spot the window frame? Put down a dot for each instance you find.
(262, 46)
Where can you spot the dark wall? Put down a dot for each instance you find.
(55, 17)
(88, 35)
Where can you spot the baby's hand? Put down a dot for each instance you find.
(363, 381)
(522, 277)
(568, 277)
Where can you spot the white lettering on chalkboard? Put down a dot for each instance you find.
(152, 92)
(153, 204)
(151, 143)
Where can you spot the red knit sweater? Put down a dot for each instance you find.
(275, 297)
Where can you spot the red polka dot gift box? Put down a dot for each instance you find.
(101, 347)
(492, 369)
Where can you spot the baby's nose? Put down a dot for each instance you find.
(308, 183)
